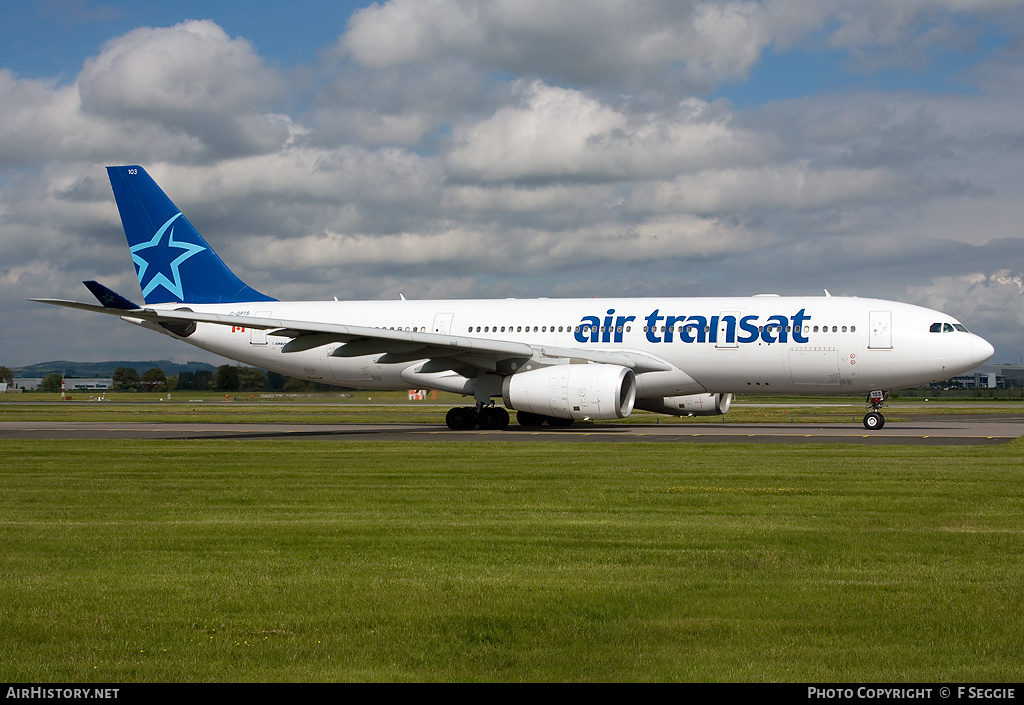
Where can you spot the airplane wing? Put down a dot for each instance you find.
(444, 351)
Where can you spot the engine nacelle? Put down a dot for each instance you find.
(688, 405)
(573, 391)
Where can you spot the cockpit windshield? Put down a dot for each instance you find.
(948, 328)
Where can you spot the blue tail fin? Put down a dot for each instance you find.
(174, 262)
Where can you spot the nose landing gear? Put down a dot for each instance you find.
(873, 420)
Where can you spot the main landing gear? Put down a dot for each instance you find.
(495, 418)
(873, 420)
(466, 418)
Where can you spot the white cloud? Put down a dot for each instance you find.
(408, 32)
(791, 187)
(594, 41)
(491, 247)
(991, 304)
(504, 200)
(41, 121)
(187, 93)
(562, 133)
(193, 66)
(655, 43)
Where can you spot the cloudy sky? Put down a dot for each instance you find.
(493, 148)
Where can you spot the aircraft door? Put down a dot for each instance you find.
(258, 336)
(880, 330)
(443, 323)
(726, 334)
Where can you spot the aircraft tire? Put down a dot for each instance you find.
(494, 418)
(556, 422)
(873, 421)
(461, 418)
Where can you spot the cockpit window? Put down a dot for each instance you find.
(947, 328)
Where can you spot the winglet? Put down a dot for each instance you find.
(109, 298)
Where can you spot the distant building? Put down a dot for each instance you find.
(98, 383)
(70, 383)
(992, 377)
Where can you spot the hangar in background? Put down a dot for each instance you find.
(993, 377)
(70, 383)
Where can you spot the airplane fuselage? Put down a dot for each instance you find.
(761, 344)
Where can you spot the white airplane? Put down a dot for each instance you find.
(551, 360)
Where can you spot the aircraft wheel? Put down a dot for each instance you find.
(494, 418)
(873, 421)
(461, 418)
(556, 422)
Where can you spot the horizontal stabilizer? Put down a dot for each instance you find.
(108, 297)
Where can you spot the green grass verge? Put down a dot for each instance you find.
(204, 561)
(393, 407)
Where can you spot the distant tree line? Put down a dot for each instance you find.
(226, 378)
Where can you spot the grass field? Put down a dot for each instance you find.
(394, 407)
(131, 561)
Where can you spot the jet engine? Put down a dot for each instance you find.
(572, 391)
(688, 404)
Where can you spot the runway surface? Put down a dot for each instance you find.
(933, 430)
